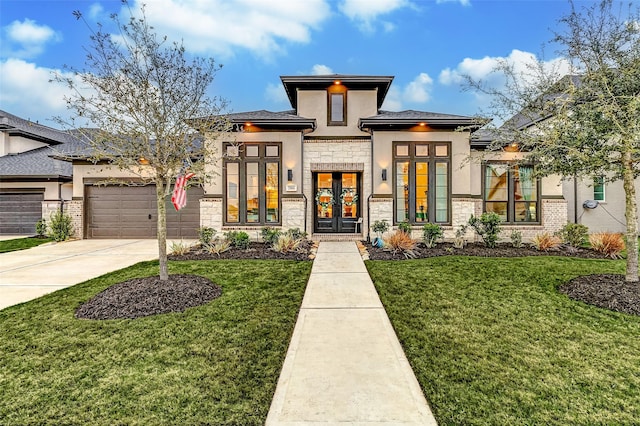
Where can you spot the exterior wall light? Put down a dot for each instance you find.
(384, 175)
(289, 175)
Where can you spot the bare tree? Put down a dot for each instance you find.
(587, 123)
(149, 102)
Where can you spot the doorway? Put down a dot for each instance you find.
(337, 201)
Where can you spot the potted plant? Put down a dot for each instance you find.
(379, 227)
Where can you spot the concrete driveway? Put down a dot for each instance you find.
(29, 274)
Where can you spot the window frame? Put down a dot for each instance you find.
(431, 159)
(600, 181)
(336, 90)
(511, 202)
(243, 161)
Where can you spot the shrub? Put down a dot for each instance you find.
(431, 232)
(401, 241)
(516, 239)
(206, 235)
(607, 243)
(296, 233)
(574, 234)
(459, 240)
(179, 248)
(380, 227)
(41, 228)
(60, 226)
(286, 243)
(545, 241)
(487, 226)
(405, 227)
(238, 239)
(217, 246)
(270, 235)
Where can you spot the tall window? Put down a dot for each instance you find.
(252, 184)
(511, 191)
(337, 106)
(598, 188)
(421, 182)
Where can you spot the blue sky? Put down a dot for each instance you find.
(425, 44)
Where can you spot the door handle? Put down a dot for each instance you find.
(149, 216)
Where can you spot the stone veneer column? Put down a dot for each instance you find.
(211, 212)
(380, 208)
(293, 213)
(75, 209)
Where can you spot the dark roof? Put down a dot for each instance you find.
(36, 163)
(263, 118)
(410, 118)
(16, 126)
(320, 82)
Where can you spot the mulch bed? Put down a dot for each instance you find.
(479, 249)
(609, 291)
(256, 250)
(141, 297)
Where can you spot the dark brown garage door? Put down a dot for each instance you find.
(130, 212)
(19, 212)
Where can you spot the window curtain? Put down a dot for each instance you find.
(526, 182)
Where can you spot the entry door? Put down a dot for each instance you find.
(337, 201)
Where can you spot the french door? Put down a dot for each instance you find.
(337, 201)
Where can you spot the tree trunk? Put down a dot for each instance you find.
(631, 215)
(162, 230)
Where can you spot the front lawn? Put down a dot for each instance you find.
(492, 342)
(22, 243)
(213, 364)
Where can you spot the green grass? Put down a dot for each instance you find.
(492, 342)
(21, 243)
(214, 364)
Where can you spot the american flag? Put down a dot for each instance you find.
(179, 196)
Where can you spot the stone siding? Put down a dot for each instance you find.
(75, 209)
(211, 213)
(336, 155)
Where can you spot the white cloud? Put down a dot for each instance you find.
(366, 12)
(275, 93)
(321, 70)
(485, 68)
(28, 93)
(27, 39)
(222, 26)
(95, 11)
(418, 90)
(393, 101)
(462, 2)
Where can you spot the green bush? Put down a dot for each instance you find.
(487, 226)
(238, 239)
(270, 235)
(574, 234)
(296, 233)
(380, 227)
(405, 227)
(516, 239)
(206, 235)
(60, 226)
(41, 228)
(431, 232)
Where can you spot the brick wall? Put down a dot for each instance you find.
(75, 209)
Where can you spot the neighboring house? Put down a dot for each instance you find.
(32, 183)
(333, 166)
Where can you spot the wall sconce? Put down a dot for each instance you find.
(384, 175)
(289, 175)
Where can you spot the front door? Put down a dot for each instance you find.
(337, 201)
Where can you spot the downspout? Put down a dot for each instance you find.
(372, 191)
(575, 199)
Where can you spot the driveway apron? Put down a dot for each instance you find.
(28, 274)
(345, 364)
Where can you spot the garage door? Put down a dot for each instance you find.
(19, 212)
(130, 212)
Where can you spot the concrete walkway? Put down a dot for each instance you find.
(345, 364)
(28, 274)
